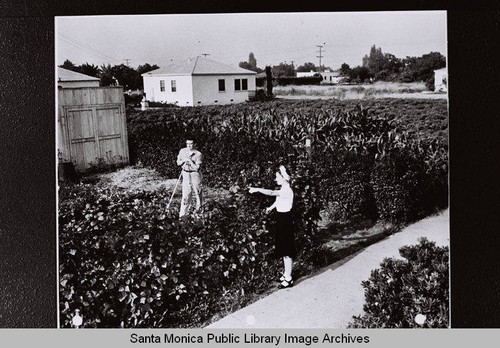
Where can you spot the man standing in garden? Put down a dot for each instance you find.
(190, 160)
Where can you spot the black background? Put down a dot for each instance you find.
(27, 150)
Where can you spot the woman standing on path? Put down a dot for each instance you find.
(284, 238)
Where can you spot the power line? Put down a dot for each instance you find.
(87, 48)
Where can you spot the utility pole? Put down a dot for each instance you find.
(205, 54)
(127, 60)
(320, 47)
(293, 68)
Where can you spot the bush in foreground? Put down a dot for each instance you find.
(408, 293)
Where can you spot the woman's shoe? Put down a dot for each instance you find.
(285, 284)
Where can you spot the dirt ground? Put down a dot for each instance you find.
(135, 179)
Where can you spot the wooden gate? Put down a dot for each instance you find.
(92, 126)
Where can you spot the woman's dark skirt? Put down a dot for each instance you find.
(284, 238)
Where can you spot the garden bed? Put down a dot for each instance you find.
(128, 261)
(333, 242)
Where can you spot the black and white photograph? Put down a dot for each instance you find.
(253, 170)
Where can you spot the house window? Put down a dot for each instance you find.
(173, 85)
(222, 85)
(241, 84)
(162, 86)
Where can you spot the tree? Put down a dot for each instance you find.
(126, 76)
(252, 61)
(245, 65)
(422, 68)
(307, 67)
(269, 80)
(142, 69)
(345, 69)
(251, 64)
(373, 61)
(69, 65)
(360, 73)
(106, 75)
(89, 69)
(282, 70)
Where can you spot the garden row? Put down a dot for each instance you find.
(379, 160)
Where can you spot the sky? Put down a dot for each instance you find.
(274, 38)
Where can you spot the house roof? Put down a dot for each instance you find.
(199, 66)
(68, 75)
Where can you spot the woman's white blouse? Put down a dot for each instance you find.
(284, 201)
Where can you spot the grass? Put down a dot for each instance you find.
(364, 91)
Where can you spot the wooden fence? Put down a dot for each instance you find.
(92, 126)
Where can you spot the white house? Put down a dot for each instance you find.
(330, 77)
(306, 73)
(199, 81)
(441, 80)
(70, 79)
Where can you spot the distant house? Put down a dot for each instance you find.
(441, 80)
(199, 81)
(331, 77)
(306, 73)
(71, 79)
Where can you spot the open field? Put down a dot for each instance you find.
(414, 90)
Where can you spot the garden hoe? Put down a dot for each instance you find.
(175, 188)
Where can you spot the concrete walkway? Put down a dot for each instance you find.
(332, 296)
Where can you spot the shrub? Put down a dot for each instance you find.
(260, 96)
(400, 185)
(401, 292)
(134, 100)
(127, 262)
(299, 81)
(429, 83)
